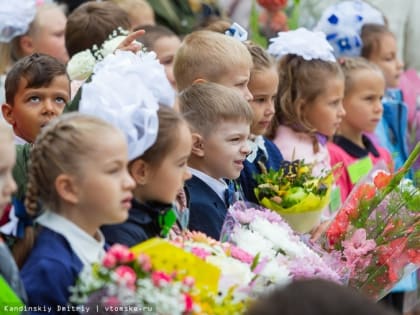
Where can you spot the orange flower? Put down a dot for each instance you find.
(382, 179)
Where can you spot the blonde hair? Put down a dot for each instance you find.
(205, 105)
(300, 80)
(260, 58)
(208, 55)
(135, 9)
(11, 52)
(351, 65)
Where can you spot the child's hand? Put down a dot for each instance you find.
(319, 230)
(130, 43)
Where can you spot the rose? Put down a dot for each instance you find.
(81, 65)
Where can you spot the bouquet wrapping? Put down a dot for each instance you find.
(377, 230)
(295, 194)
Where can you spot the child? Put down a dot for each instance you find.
(263, 86)
(165, 44)
(37, 30)
(139, 12)
(8, 268)
(316, 297)
(308, 105)
(92, 23)
(380, 47)
(69, 238)
(159, 174)
(220, 122)
(37, 89)
(365, 86)
(213, 57)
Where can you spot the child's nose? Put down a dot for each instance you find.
(187, 174)
(247, 93)
(10, 186)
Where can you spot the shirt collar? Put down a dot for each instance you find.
(88, 249)
(218, 185)
(353, 149)
(256, 144)
(19, 140)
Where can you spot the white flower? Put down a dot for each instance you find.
(253, 243)
(110, 45)
(81, 65)
(279, 274)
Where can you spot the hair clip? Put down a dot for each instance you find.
(302, 42)
(15, 18)
(238, 32)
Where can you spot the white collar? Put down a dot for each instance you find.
(87, 248)
(218, 185)
(19, 140)
(255, 144)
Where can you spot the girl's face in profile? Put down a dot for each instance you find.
(7, 161)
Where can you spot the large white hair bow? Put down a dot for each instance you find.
(15, 17)
(126, 90)
(342, 24)
(302, 42)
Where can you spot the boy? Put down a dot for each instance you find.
(214, 57)
(220, 120)
(37, 89)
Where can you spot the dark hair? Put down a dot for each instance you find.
(153, 33)
(166, 140)
(92, 23)
(371, 35)
(316, 297)
(37, 69)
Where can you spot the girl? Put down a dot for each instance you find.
(8, 268)
(380, 47)
(308, 105)
(159, 174)
(365, 86)
(263, 86)
(78, 171)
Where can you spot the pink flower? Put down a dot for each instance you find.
(200, 252)
(121, 253)
(358, 250)
(111, 301)
(241, 255)
(109, 261)
(189, 303)
(189, 281)
(145, 262)
(127, 276)
(159, 278)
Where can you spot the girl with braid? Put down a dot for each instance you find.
(78, 173)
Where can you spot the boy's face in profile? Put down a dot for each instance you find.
(33, 108)
(226, 148)
(237, 78)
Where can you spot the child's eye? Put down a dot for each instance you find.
(60, 100)
(259, 100)
(34, 99)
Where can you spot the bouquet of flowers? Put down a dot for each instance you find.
(282, 254)
(377, 230)
(295, 193)
(239, 269)
(154, 277)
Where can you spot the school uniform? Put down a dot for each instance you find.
(141, 225)
(263, 151)
(208, 203)
(60, 252)
(346, 152)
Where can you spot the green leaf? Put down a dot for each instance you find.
(254, 27)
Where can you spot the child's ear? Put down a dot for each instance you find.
(197, 144)
(139, 170)
(67, 188)
(199, 80)
(26, 45)
(7, 111)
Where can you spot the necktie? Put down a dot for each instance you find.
(230, 193)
